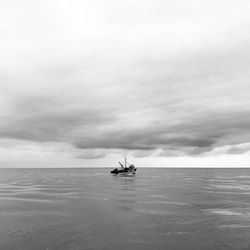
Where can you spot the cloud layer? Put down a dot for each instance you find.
(151, 78)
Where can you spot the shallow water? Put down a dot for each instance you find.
(157, 209)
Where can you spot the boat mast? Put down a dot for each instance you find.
(125, 162)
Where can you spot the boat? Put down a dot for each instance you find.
(126, 169)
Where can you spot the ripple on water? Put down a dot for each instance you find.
(228, 212)
(38, 193)
(27, 199)
(234, 226)
(165, 202)
(232, 187)
(154, 212)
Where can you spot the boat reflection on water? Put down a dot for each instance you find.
(126, 169)
(125, 196)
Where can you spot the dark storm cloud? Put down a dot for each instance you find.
(91, 155)
(108, 143)
(191, 136)
(45, 119)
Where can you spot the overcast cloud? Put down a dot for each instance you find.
(94, 79)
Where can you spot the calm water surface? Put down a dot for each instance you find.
(66, 209)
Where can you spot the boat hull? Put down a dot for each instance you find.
(123, 172)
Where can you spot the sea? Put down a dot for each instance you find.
(158, 208)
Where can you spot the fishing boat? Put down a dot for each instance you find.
(125, 169)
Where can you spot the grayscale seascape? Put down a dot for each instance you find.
(125, 125)
(77, 209)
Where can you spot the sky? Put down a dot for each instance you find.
(86, 83)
